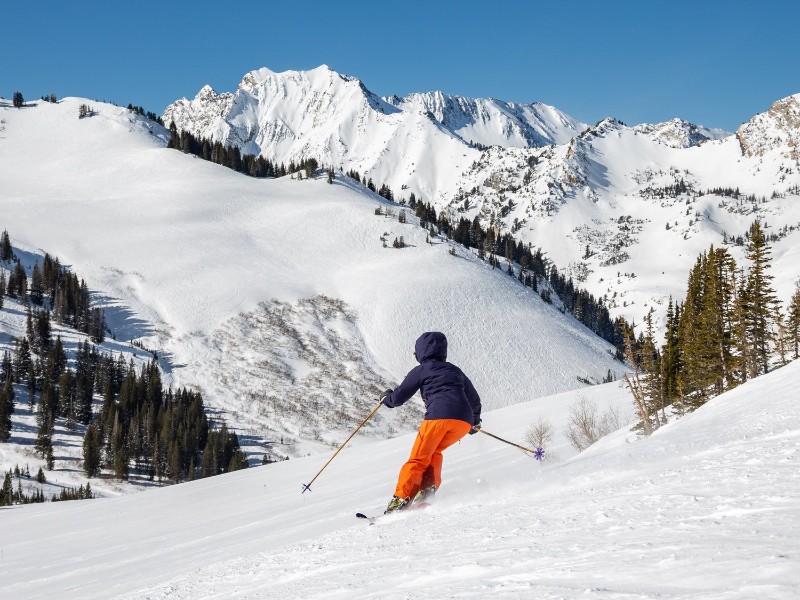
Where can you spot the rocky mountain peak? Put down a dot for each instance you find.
(777, 129)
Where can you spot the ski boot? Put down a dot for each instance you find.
(425, 494)
(397, 503)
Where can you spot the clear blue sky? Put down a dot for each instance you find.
(708, 61)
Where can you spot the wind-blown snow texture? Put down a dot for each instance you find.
(708, 507)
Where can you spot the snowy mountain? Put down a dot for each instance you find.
(678, 133)
(420, 142)
(626, 210)
(278, 299)
(333, 118)
(775, 131)
(491, 122)
(596, 199)
(708, 507)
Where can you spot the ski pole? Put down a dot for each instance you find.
(307, 486)
(523, 448)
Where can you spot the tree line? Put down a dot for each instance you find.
(53, 287)
(232, 158)
(729, 328)
(161, 434)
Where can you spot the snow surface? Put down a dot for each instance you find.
(227, 278)
(708, 507)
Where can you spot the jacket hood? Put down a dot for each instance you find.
(431, 345)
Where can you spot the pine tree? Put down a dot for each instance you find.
(44, 437)
(7, 491)
(716, 320)
(793, 322)
(97, 326)
(6, 252)
(18, 282)
(670, 355)
(23, 362)
(690, 374)
(92, 448)
(37, 286)
(760, 317)
(49, 459)
(650, 365)
(706, 329)
(6, 409)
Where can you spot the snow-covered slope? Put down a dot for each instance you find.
(277, 298)
(708, 507)
(626, 211)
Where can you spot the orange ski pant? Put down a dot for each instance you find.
(424, 466)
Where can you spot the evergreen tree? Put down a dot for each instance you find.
(760, 316)
(18, 282)
(6, 252)
(49, 459)
(7, 491)
(66, 396)
(37, 286)
(18, 101)
(707, 328)
(23, 361)
(6, 408)
(97, 326)
(670, 356)
(44, 438)
(793, 322)
(650, 365)
(92, 449)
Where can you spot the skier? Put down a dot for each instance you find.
(453, 409)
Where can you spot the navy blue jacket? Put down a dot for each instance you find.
(446, 391)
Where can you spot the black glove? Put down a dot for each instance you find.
(475, 428)
(384, 395)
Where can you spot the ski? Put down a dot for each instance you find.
(363, 516)
(415, 506)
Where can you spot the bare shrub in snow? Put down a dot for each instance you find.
(586, 426)
(540, 433)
